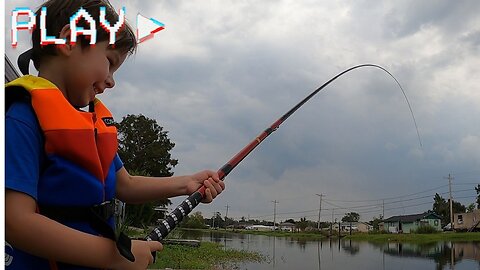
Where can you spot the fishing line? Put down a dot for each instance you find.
(172, 219)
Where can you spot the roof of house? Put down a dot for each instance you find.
(354, 223)
(412, 218)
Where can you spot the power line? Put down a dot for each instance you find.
(391, 198)
(368, 208)
(465, 184)
(467, 172)
(370, 211)
(381, 204)
(392, 202)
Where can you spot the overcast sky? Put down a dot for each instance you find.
(222, 71)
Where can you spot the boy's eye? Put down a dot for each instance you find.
(111, 61)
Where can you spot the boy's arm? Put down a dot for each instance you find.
(36, 234)
(140, 189)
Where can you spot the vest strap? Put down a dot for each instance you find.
(97, 217)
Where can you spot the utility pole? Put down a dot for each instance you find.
(213, 220)
(331, 225)
(450, 178)
(319, 209)
(383, 209)
(226, 214)
(274, 213)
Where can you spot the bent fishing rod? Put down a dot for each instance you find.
(176, 216)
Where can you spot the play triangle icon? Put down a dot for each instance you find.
(147, 27)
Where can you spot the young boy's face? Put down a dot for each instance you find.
(89, 71)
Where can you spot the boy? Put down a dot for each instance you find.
(62, 168)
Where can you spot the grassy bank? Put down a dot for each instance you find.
(416, 238)
(206, 256)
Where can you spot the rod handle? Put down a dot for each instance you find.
(175, 217)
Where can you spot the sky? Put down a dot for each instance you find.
(222, 71)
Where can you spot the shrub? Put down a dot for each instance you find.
(426, 229)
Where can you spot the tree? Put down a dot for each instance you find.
(194, 221)
(351, 217)
(218, 220)
(229, 222)
(458, 207)
(442, 208)
(302, 224)
(145, 150)
(470, 208)
(376, 222)
(144, 146)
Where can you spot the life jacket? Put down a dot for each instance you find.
(73, 136)
(79, 175)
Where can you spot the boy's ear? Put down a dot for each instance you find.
(67, 48)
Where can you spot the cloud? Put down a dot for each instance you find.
(469, 149)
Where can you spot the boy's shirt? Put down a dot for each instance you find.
(24, 161)
(24, 153)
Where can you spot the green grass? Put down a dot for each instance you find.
(206, 256)
(416, 238)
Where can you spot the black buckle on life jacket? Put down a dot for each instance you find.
(97, 216)
(105, 210)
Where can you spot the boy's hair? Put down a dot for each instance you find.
(58, 15)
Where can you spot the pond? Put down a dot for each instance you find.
(284, 253)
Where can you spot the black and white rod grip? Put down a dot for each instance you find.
(175, 217)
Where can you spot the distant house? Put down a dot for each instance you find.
(356, 227)
(260, 228)
(409, 223)
(467, 221)
(364, 227)
(287, 226)
(346, 226)
(243, 225)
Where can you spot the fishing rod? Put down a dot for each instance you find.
(176, 216)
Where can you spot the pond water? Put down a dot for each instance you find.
(284, 253)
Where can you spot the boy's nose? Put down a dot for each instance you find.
(109, 82)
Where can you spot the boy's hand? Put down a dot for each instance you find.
(210, 180)
(142, 250)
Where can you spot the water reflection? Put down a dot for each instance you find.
(274, 260)
(350, 248)
(443, 254)
(319, 246)
(290, 253)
